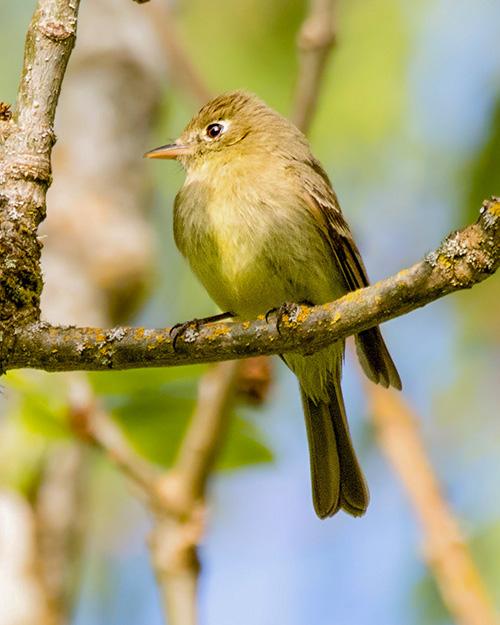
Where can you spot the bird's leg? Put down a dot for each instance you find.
(291, 309)
(180, 328)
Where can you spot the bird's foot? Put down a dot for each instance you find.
(181, 329)
(190, 329)
(290, 309)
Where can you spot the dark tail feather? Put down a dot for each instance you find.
(375, 359)
(337, 479)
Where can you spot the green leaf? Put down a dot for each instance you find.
(154, 407)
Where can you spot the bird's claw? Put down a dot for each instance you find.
(180, 329)
(290, 309)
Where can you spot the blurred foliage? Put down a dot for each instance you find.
(153, 406)
(482, 314)
(485, 168)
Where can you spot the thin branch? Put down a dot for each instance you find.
(204, 437)
(444, 547)
(315, 41)
(182, 67)
(93, 424)
(181, 519)
(465, 258)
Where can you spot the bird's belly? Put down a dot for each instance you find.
(251, 255)
(237, 275)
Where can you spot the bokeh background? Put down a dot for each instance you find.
(408, 128)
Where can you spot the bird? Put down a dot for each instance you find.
(261, 227)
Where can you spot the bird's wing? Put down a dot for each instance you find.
(320, 199)
(322, 202)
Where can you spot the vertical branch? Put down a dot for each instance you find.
(181, 524)
(25, 176)
(25, 168)
(444, 546)
(315, 41)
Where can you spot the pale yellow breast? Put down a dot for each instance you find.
(246, 239)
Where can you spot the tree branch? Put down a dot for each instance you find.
(465, 258)
(445, 550)
(25, 171)
(315, 42)
(182, 490)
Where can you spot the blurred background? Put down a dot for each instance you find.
(408, 128)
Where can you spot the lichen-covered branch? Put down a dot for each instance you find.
(465, 258)
(25, 170)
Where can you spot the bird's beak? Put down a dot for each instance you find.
(172, 151)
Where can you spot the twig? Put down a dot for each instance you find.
(465, 258)
(444, 547)
(315, 42)
(92, 424)
(182, 67)
(207, 430)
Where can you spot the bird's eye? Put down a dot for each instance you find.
(214, 130)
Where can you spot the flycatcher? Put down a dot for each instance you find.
(260, 224)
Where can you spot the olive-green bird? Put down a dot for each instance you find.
(260, 225)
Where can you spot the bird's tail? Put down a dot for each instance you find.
(337, 479)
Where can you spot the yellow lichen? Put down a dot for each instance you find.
(495, 209)
(138, 334)
(445, 261)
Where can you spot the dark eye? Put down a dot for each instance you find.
(214, 130)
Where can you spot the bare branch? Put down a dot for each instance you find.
(182, 67)
(92, 424)
(315, 42)
(207, 430)
(465, 258)
(444, 547)
(181, 518)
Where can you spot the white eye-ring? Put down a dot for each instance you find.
(212, 131)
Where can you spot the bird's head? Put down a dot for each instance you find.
(230, 126)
